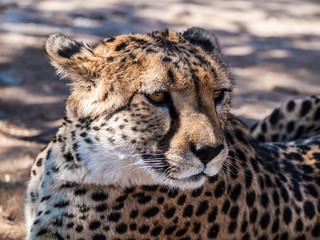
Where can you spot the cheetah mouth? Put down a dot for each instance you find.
(192, 178)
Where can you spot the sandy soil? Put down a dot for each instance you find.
(272, 46)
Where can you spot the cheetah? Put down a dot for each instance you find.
(149, 150)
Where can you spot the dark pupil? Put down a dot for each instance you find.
(219, 99)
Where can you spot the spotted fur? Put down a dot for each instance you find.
(282, 124)
(124, 167)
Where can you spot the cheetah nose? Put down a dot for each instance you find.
(206, 153)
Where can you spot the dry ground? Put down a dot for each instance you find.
(272, 46)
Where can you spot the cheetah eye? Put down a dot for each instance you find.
(158, 97)
(218, 95)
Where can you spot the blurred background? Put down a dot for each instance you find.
(272, 46)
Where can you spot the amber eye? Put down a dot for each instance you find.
(217, 94)
(158, 97)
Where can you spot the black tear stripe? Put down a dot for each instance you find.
(164, 143)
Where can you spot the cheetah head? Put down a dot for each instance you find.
(146, 109)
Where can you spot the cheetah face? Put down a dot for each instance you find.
(146, 109)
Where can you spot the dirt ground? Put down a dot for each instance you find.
(272, 46)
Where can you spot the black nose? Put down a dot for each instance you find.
(206, 153)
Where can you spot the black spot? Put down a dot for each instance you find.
(264, 127)
(151, 212)
(94, 225)
(301, 237)
(264, 200)
(284, 236)
(311, 190)
(291, 105)
(305, 108)
(68, 185)
(45, 198)
(275, 116)
(213, 214)
(134, 213)
(156, 231)
(121, 46)
(232, 227)
(316, 116)
(250, 198)
(79, 228)
(114, 216)
(246, 236)
(197, 192)
(290, 126)
(309, 210)
(170, 230)
(299, 225)
(182, 199)
(316, 230)
(121, 228)
(234, 212)
(166, 59)
(255, 165)
(284, 194)
(39, 162)
(173, 193)
(219, 190)
(99, 196)
(61, 204)
(98, 237)
(160, 200)
(264, 221)
(287, 215)
(235, 192)
(170, 212)
(261, 138)
(253, 215)
(83, 134)
(181, 232)
(225, 207)
(203, 206)
(133, 226)
(42, 232)
(299, 132)
(248, 178)
(121, 198)
(213, 231)
(80, 191)
(244, 226)
(188, 211)
(144, 229)
(275, 226)
(144, 199)
(70, 224)
(274, 137)
(58, 235)
(118, 206)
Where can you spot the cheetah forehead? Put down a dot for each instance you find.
(164, 60)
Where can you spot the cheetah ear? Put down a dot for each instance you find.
(71, 58)
(203, 38)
